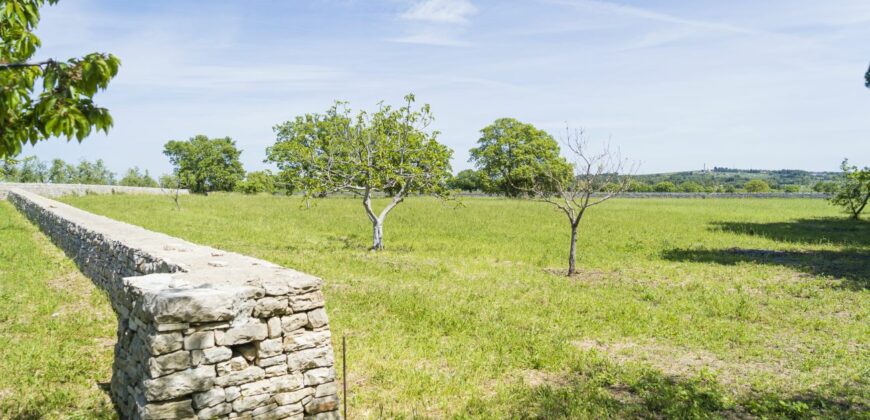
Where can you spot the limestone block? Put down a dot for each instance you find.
(199, 340)
(287, 383)
(168, 410)
(274, 326)
(179, 384)
(270, 306)
(310, 359)
(168, 363)
(292, 411)
(291, 323)
(329, 388)
(250, 374)
(286, 398)
(318, 376)
(254, 330)
(211, 356)
(317, 318)
(233, 365)
(161, 343)
(233, 392)
(272, 361)
(270, 348)
(306, 340)
(209, 398)
(216, 411)
(277, 370)
(322, 404)
(255, 388)
(306, 302)
(244, 403)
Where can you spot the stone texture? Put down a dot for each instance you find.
(308, 301)
(306, 340)
(255, 388)
(162, 343)
(270, 306)
(211, 356)
(199, 340)
(319, 376)
(291, 323)
(322, 404)
(179, 384)
(216, 411)
(250, 374)
(270, 348)
(209, 398)
(168, 363)
(168, 410)
(286, 398)
(242, 334)
(287, 383)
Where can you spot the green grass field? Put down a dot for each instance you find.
(57, 331)
(683, 307)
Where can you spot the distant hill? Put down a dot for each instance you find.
(720, 179)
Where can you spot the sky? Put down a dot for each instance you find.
(675, 85)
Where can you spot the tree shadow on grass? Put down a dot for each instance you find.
(852, 266)
(833, 231)
(656, 395)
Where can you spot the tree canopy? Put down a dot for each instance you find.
(136, 178)
(389, 151)
(204, 165)
(511, 156)
(466, 180)
(63, 105)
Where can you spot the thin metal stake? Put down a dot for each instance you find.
(344, 372)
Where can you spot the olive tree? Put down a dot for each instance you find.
(853, 193)
(389, 152)
(63, 104)
(591, 178)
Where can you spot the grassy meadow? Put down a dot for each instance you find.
(684, 307)
(57, 331)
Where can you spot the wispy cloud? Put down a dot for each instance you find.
(441, 11)
(641, 13)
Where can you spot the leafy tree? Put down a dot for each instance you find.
(466, 180)
(94, 173)
(639, 186)
(205, 164)
(854, 190)
(664, 186)
(61, 172)
(32, 170)
(791, 188)
(257, 182)
(867, 78)
(9, 169)
(829, 187)
(511, 156)
(592, 179)
(691, 187)
(135, 178)
(388, 151)
(64, 105)
(756, 186)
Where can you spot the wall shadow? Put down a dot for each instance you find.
(831, 230)
(850, 265)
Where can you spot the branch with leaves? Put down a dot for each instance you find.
(63, 105)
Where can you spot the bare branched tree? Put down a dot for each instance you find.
(594, 178)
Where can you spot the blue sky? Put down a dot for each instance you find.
(675, 84)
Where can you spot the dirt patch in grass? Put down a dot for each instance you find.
(685, 363)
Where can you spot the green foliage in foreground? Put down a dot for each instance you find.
(57, 330)
(683, 308)
(63, 105)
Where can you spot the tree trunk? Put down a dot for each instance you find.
(377, 235)
(572, 254)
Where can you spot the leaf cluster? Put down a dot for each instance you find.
(63, 105)
(388, 151)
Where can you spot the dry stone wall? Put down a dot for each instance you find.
(56, 190)
(202, 333)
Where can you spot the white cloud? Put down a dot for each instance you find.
(441, 11)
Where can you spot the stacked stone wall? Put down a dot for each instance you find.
(56, 190)
(202, 333)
